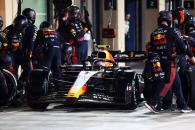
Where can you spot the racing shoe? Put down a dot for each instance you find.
(152, 108)
(186, 110)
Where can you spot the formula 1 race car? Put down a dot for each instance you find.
(98, 80)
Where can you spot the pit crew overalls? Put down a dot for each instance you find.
(184, 63)
(3, 43)
(192, 41)
(167, 42)
(75, 36)
(49, 43)
(3, 84)
(14, 47)
(27, 48)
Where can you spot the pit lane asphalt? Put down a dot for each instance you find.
(60, 117)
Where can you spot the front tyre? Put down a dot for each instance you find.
(38, 87)
(11, 84)
(130, 96)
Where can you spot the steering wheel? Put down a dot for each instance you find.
(95, 64)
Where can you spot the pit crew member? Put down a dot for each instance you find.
(166, 42)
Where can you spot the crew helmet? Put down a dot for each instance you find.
(45, 24)
(20, 23)
(190, 23)
(181, 14)
(30, 14)
(74, 12)
(165, 16)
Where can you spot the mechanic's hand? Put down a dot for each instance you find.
(193, 60)
(29, 54)
(188, 37)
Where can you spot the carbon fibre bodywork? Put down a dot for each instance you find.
(85, 84)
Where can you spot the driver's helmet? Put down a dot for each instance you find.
(106, 55)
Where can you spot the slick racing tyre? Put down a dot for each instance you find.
(11, 84)
(126, 90)
(130, 96)
(190, 74)
(3, 89)
(38, 87)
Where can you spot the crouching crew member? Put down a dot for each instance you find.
(14, 34)
(3, 84)
(48, 43)
(166, 42)
(11, 55)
